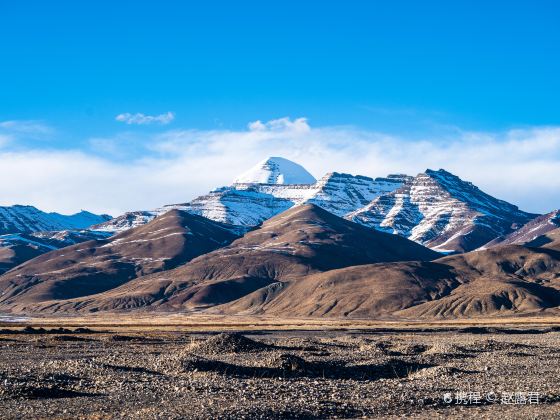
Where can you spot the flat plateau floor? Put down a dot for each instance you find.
(178, 367)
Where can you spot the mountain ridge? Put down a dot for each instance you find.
(28, 219)
(439, 210)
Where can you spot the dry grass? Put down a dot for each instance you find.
(204, 322)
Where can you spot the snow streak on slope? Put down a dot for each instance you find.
(439, 210)
(251, 204)
(126, 221)
(341, 194)
(27, 219)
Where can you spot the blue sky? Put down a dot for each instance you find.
(432, 71)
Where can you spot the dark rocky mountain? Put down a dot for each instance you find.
(436, 208)
(268, 189)
(304, 262)
(26, 232)
(343, 246)
(442, 212)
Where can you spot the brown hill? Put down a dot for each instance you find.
(304, 262)
(303, 240)
(15, 254)
(16, 248)
(549, 240)
(99, 265)
(509, 279)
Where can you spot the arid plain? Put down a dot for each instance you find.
(203, 366)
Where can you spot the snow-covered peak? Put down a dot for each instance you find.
(276, 170)
(27, 219)
(469, 193)
(440, 210)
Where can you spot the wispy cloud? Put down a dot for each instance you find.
(299, 125)
(520, 166)
(17, 132)
(143, 119)
(25, 127)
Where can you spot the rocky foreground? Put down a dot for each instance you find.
(466, 373)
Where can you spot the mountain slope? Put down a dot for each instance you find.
(303, 240)
(502, 280)
(99, 265)
(550, 240)
(443, 212)
(506, 279)
(27, 219)
(364, 291)
(529, 232)
(16, 248)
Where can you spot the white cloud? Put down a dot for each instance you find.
(520, 166)
(299, 125)
(142, 119)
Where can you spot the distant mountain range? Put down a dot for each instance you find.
(28, 219)
(250, 202)
(26, 232)
(279, 242)
(434, 208)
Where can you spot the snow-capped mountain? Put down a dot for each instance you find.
(538, 226)
(126, 221)
(439, 210)
(276, 170)
(28, 219)
(342, 194)
(250, 203)
(435, 208)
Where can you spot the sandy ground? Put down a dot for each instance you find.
(299, 370)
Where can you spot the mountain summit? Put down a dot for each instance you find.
(276, 170)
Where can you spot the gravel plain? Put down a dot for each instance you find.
(467, 373)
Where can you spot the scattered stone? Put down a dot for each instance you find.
(408, 349)
(360, 379)
(69, 338)
(228, 343)
(287, 363)
(433, 372)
